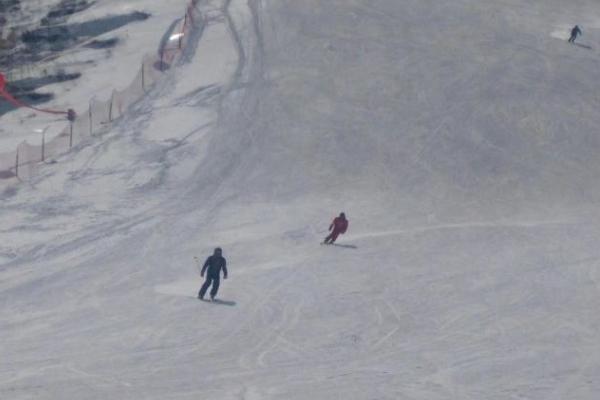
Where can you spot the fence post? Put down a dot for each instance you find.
(43, 145)
(110, 106)
(189, 12)
(90, 118)
(183, 29)
(71, 116)
(143, 77)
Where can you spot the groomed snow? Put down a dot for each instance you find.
(459, 137)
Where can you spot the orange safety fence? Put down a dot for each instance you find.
(99, 114)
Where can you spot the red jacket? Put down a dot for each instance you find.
(339, 225)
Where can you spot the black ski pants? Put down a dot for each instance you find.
(215, 281)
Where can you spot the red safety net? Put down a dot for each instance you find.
(17, 103)
(99, 113)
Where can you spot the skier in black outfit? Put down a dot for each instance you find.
(574, 33)
(214, 264)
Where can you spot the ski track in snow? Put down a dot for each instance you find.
(471, 225)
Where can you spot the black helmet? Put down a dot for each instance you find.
(218, 250)
(343, 215)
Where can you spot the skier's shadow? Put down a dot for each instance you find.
(585, 46)
(221, 302)
(346, 246)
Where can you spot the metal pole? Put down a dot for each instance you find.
(143, 78)
(110, 106)
(183, 29)
(43, 144)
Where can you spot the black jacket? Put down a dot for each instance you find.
(214, 264)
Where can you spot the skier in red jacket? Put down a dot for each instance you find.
(339, 225)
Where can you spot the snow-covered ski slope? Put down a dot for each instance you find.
(460, 138)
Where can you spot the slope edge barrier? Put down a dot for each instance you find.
(23, 161)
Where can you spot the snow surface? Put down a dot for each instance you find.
(459, 137)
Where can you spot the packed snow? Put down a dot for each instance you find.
(460, 139)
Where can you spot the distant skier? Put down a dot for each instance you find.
(337, 227)
(213, 266)
(574, 33)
